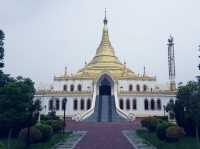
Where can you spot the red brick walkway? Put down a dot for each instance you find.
(102, 135)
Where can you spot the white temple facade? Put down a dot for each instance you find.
(106, 86)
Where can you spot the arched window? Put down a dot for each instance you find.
(159, 104)
(134, 104)
(72, 88)
(121, 104)
(57, 104)
(64, 104)
(64, 87)
(144, 88)
(146, 104)
(152, 104)
(130, 87)
(79, 88)
(75, 104)
(138, 88)
(128, 104)
(50, 105)
(88, 104)
(82, 104)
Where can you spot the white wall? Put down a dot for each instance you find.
(69, 105)
(140, 111)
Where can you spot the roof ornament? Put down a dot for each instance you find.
(105, 21)
(144, 73)
(65, 74)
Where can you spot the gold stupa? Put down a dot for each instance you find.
(105, 61)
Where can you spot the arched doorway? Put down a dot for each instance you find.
(105, 85)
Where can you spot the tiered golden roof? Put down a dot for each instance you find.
(105, 61)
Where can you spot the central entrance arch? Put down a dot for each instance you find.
(105, 85)
(105, 88)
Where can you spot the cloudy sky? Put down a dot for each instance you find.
(44, 36)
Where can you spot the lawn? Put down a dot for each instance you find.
(184, 143)
(16, 144)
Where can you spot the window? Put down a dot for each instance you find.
(65, 88)
(50, 105)
(138, 88)
(88, 104)
(82, 104)
(79, 88)
(128, 104)
(146, 104)
(64, 104)
(134, 104)
(57, 104)
(130, 87)
(72, 88)
(144, 88)
(159, 104)
(121, 104)
(152, 104)
(75, 104)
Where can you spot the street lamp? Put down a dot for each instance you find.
(64, 108)
(39, 116)
(164, 108)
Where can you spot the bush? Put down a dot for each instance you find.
(57, 125)
(174, 133)
(1, 146)
(150, 123)
(46, 131)
(164, 118)
(161, 130)
(50, 116)
(35, 135)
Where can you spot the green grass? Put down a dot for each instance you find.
(184, 143)
(16, 144)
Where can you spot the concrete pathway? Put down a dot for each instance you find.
(103, 135)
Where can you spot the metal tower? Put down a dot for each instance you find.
(171, 63)
(198, 77)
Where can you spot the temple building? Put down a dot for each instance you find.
(107, 90)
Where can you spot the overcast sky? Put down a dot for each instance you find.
(44, 36)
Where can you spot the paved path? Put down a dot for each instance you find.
(102, 135)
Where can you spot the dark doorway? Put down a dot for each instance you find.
(105, 87)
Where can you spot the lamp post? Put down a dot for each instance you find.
(64, 108)
(39, 116)
(164, 108)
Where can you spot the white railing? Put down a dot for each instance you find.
(91, 111)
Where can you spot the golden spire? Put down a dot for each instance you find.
(105, 47)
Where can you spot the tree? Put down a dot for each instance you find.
(2, 36)
(16, 105)
(187, 108)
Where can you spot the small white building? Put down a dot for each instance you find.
(105, 76)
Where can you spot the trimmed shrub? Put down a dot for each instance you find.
(174, 133)
(57, 125)
(150, 123)
(50, 116)
(161, 130)
(164, 118)
(46, 131)
(35, 135)
(1, 146)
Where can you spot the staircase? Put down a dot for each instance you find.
(105, 110)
